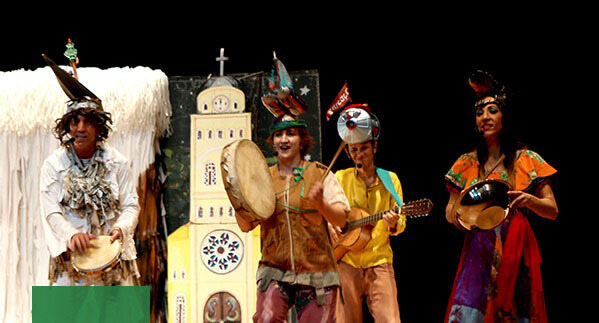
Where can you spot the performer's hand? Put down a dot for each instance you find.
(81, 241)
(115, 233)
(244, 220)
(451, 217)
(335, 233)
(391, 217)
(519, 199)
(316, 195)
(454, 220)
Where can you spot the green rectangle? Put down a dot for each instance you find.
(91, 304)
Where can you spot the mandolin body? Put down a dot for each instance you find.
(354, 239)
(358, 229)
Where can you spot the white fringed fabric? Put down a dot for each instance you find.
(33, 99)
(30, 102)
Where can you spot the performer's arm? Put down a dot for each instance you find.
(395, 222)
(332, 204)
(245, 225)
(334, 214)
(65, 230)
(52, 211)
(543, 204)
(453, 196)
(128, 197)
(334, 232)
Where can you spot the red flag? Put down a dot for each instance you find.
(340, 101)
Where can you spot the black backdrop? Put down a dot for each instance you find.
(417, 88)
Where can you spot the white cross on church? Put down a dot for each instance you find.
(222, 60)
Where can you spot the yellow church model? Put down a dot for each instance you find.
(211, 263)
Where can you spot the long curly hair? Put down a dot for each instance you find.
(100, 120)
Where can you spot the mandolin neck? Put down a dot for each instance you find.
(368, 219)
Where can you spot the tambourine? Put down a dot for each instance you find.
(482, 206)
(247, 180)
(99, 258)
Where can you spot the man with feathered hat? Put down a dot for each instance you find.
(87, 190)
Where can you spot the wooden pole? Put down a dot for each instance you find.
(341, 146)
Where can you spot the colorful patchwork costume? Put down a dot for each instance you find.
(499, 276)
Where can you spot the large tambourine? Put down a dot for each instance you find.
(100, 257)
(247, 180)
(482, 206)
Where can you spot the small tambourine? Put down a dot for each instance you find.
(100, 257)
(482, 206)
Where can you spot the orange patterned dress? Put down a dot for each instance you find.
(498, 277)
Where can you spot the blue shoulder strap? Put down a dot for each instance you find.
(386, 179)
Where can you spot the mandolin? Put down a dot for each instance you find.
(356, 233)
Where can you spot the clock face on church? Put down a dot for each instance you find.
(220, 103)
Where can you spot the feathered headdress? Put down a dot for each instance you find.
(281, 99)
(484, 86)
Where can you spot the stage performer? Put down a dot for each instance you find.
(298, 268)
(368, 273)
(498, 277)
(87, 190)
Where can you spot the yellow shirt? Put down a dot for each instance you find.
(373, 199)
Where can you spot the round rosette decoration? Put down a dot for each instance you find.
(221, 251)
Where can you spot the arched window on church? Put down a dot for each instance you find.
(180, 312)
(210, 174)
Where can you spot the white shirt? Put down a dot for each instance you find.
(60, 223)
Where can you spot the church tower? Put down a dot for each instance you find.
(211, 263)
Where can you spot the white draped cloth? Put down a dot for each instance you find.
(30, 102)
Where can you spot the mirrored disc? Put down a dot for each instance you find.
(355, 126)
